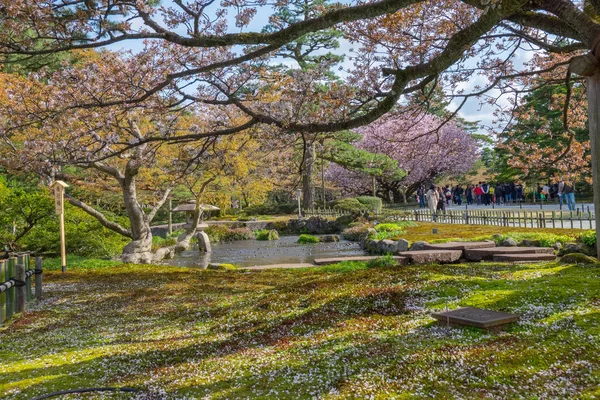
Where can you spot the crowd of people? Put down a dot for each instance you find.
(438, 197)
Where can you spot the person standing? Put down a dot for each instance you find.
(469, 194)
(421, 194)
(485, 194)
(569, 193)
(458, 192)
(478, 193)
(433, 198)
(561, 191)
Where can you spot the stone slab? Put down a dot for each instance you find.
(488, 254)
(458, 245)
(335, 260)
(524, 257)
(477, 317)
(432, 256)
(278, 266)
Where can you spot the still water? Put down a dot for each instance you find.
(247, 253)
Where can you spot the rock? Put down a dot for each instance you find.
(330, 238)
(418, 245)
(571, 248)
(529, 243)
(578, 258)
(509, 242)
(314, 225)
(387, 246)
(370, 233)
(402, 245)
(497, 236)
(557, 246)
(372, 245)
(203, 242)
(345, 220)
(432, 256)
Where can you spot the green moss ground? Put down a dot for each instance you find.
(340, 331)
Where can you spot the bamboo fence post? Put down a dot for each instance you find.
(10, 293)
(3, 294)
(39, 294)
(553, 219)
(28, 282)
(21, 295)
(571, 218)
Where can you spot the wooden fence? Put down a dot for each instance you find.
(579, 219)
(16, 287)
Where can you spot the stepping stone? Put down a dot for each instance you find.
(459, 245)
(278, 266)
(477, 317)
(432, 256)
(488, 254)
(335, 260)
(524, 257)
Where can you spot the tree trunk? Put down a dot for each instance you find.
(308, 187)
(403, 193)
(593, 95)
(139, 250)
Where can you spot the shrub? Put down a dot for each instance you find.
(223, 267)
(589, 238)
(272, 209)
(266, 234)
(223, 233)
(306, 239)
(349, 205)
(578, 258)
(383, 261)
(355, 232)
(373, 203)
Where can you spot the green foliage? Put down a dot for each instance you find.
(84, 235)
(349, 204)
(223, 233)
(22, 207)
(374, 203)
(266, 234)
(381, 262)
(272, 209)
(392, 230)
(307, 239)
(589, 238)
(223, 267)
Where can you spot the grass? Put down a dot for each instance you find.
(458, 232)
(341, 331)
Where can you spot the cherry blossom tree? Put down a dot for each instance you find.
(423, 150)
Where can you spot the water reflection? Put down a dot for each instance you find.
(247, 253)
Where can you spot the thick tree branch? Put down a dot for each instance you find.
(158, 205)
(113, 226)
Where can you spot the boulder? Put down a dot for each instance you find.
(557, 246)
(571, 248)
(529, 243)
(370, 233)
(345, 220)
(418, 245)
(578, 258)
(387, 246)
(509, 242)
(330, 238)
(314, 225)
(402, 245)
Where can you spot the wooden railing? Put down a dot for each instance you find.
(16, 287)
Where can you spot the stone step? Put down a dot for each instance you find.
(477, 317)
(432, 256)
(278, 266)
(459, 245)
(524, 257)
(335, 260)
(488, 254)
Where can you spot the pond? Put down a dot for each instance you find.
(248, 253)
